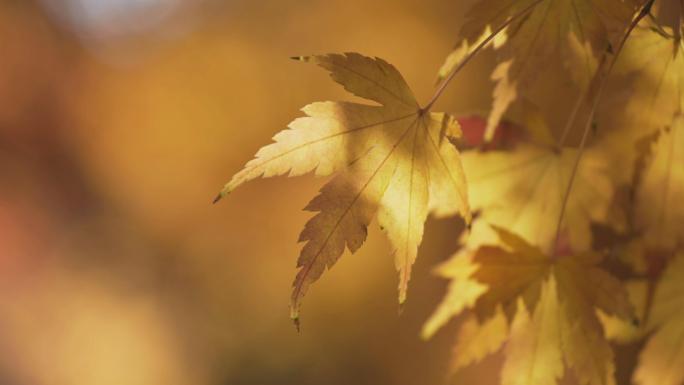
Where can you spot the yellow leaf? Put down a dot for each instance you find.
(545, 32)
(625, 331)
(671, 15)
(514, 271)
(581, 61)
(657, 62)
(393, 160)
(662, 360)
(659, 213)
(461, 293)
(477, 340)
(586, 289)
(465, 48)
(505, 93)
(523, 189)
(533, 352)
(553, 303)
(547, 26)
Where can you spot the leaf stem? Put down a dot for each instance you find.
(601, 76)
(570, 122)
(474, 52)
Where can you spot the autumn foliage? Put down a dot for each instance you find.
(574, 236)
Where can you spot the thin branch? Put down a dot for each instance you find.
(572, 118)
(474, 52)
(571, 121)
(645, 10)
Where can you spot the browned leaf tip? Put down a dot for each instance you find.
(218, 198)
(300, 58)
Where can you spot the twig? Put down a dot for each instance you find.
(474, 52)
(645, 10)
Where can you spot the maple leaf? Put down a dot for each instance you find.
(628, 331)
(552, 304)
(650, 127)
(662, 360)
(505, 93)
(477, 340)
(657, 62)
(670, 16)
(523, 189)
(533, 353)
(581, 62)
(653, 66)
(547, 26)
(392, 160)
(465, 48)
(461, 294)
(545, 32)
(659, 213)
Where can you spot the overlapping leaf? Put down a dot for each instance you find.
(523, 190)
(391, 160)
(662, 359)
(465, 48)
(545, 32)
(670, 16)
(552, 304)
(477, 340)
(657, 63)
(659, 212)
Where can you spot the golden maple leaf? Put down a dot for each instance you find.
(670, 15)
(465, 48)
(391, 160)
(657, 62)
(662, 360)
(552, 304)
(651, 128)
(548, 24)
(477, 340)
(652, 65)
(659, 213)
(628, 331)
(546, 31)
(523, 189)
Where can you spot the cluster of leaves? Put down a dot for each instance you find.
(569, 245)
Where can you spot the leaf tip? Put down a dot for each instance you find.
(425, 333)
(402, 299)
(468, 219)
(294, 315)
(301, 58)
(218, 197)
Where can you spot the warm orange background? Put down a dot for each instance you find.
(114, 137)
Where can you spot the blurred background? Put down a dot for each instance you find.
(119, 122)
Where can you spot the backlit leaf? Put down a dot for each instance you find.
(393, 161)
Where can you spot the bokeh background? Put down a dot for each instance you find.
(119, 122)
